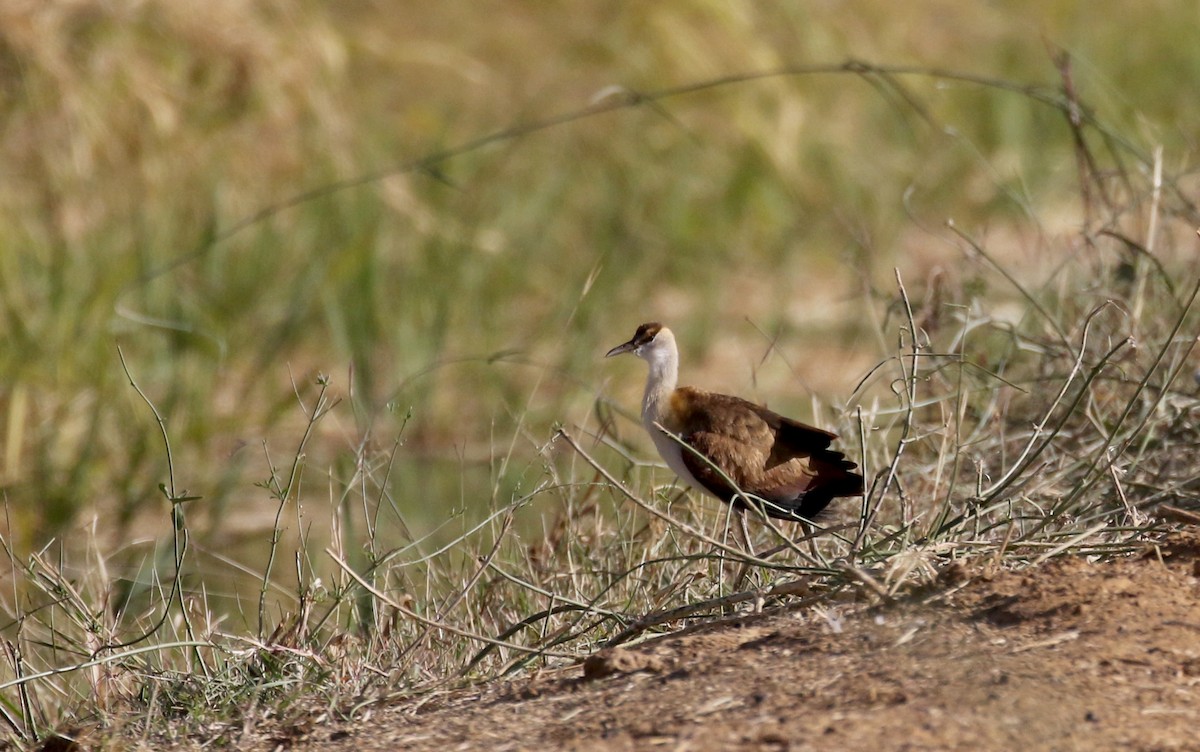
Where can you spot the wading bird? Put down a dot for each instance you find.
(732, 448)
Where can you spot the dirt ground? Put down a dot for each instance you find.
(1071, 655)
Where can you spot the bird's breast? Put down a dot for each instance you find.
(671, 451)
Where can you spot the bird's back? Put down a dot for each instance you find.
(786, 463)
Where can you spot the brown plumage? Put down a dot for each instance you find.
(722, 444)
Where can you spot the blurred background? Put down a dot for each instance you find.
(153, 152)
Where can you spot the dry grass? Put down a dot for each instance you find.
(1033, 393)
(1061, 430)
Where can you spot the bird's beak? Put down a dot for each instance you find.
(627, 347)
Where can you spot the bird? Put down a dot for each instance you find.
(734, 449)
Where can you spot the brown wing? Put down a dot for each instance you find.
(782, 461)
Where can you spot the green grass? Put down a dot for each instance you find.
(791, 228)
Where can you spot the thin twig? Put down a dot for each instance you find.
(648, 621)
(408, 612)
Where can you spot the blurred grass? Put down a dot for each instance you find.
(761, 219)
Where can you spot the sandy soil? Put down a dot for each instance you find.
(1071, 655)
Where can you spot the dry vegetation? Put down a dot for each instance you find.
(361, 263)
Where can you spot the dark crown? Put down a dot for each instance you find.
(646, 332)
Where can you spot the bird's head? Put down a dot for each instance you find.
(651, 342)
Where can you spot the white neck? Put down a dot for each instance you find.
(663, 358)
